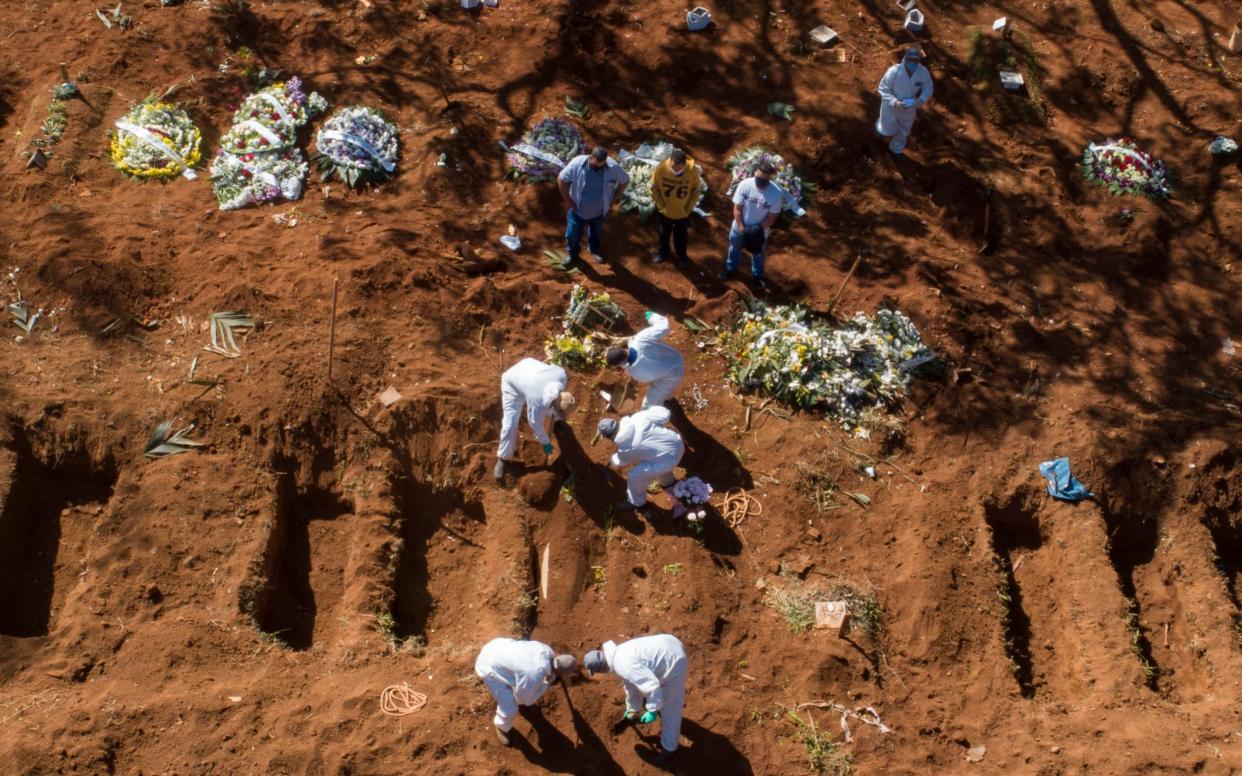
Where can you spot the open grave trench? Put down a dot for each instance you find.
(1220, 497)
(396, 555)
(57, 491)
(1014, 530)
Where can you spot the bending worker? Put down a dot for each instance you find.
(652, 670)
(649, 360)
(516, 674)
(541, 388)
(646, 444)
(906, 87)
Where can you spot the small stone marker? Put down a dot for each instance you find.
(975, 753)
(698, 18)
(1011, 79)
(907, 5)
(834, 615)
(1000, 24)
(915, 21)
(390, 397)
(825, 36)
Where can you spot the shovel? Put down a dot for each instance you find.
(610, 405)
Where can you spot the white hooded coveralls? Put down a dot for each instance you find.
(896, 120)
(533, 384)
(516, 673)
(654, 450)
(653, 672)
(657, 363)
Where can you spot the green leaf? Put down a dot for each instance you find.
(222, 325)
(164, 442)
(782, 109)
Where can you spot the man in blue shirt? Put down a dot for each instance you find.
(590, 184)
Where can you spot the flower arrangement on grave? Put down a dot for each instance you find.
(692, 495)
(281, 103)
(806, 364)
(555, 138)
(1124, 168)
(587, 311)
(745, 163)
(155, 140)
(571, 351)
(254, 178)
(258, 160)
(579, 345)
(357, 145)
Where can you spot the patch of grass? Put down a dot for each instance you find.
(386, 624)
(524, 609)
(866, 615)
(796, 605)
(823, 754)
(817, 487)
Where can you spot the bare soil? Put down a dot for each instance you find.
(239, 609)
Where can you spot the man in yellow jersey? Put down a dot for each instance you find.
(676, 187)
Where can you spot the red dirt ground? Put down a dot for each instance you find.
(223, 611)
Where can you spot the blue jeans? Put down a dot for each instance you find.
(573, 234)
(735, 254)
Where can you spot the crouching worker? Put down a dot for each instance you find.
(648, 359)
(516, 674)
(647, 445)
(540, 388)
(652, 670)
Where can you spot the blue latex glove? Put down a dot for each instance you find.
(547, 449)
(908, 102)
(647, 316)
(648, 717)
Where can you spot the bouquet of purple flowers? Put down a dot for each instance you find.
(544, 150)
(692, 494)
(357, 145)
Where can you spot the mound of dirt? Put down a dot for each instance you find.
(539, 489)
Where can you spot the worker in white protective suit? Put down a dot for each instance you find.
(540, 388)
(906, 87)
(516, 674)
(648, 359)
(646, 444)
(652, 670)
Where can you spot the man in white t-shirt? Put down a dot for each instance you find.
(756, 204)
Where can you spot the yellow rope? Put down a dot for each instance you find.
(397, 700)
(739, 505)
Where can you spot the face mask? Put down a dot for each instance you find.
(762, 182)
(911, 65)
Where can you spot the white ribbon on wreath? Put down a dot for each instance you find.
(154, 142)
(352, 139)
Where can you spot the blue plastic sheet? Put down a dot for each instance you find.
(1061, 484)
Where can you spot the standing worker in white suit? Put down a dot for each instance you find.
(516, 674)
(647, 445)
(647, 359)
(540, 388)
(906, 87)
(652, 670)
